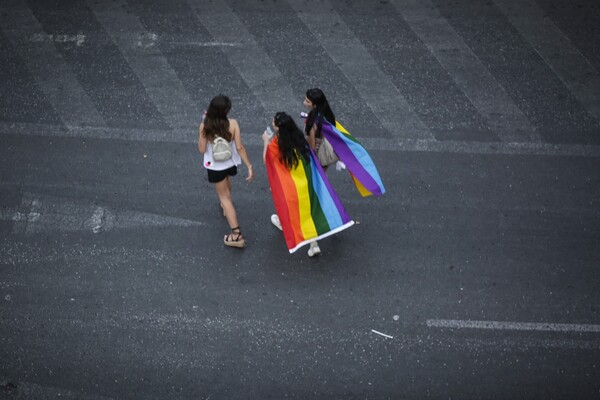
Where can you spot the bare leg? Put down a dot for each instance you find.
(223, 189)
(228, 180)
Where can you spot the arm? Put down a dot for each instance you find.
(266, 139)
(201, 139)
(312, 137)
(237, 137)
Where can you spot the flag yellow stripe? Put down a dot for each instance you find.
(307, 224)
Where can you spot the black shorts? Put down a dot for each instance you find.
(218, 176)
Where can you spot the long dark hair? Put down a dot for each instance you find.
(292, 143)
(215, 121)
(321, 110)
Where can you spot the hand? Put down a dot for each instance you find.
(250, 174)
(266, 137)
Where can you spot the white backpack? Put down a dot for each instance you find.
(221, 149)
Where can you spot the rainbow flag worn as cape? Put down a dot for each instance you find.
(307, 206)
(357, 160)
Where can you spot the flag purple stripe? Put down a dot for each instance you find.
(342, 214)
(363, 169)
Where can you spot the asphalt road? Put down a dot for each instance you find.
(474, 277)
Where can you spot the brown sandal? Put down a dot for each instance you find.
(234, 239)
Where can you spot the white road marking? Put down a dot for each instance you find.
(97, 219)
(211, 44)
(41, 37)
(11, 215)
(147, 40)
(173, 324)
(472, 147)
(374, 144)
(517, 326)
(50, 214)
(29, 212)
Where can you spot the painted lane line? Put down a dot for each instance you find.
(51, 214)
(149, 64)
(184, 322)
(467, 71)
(209, 44)
(29, 212)
(374, 144)
(354, 60)
(472, 147)
(190, 40)
(518, 326)
(16, 216)
(94, 132)
(382, 334)
(54, 76)
(40, 37)
(251, 62)
(557, 51)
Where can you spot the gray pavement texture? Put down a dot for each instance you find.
(474, 277)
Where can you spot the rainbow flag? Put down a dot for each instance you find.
(307, 206)
(357, 160)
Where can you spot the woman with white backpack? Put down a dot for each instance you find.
(221, 144)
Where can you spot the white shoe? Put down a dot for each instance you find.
(276, 222)
(314, 249)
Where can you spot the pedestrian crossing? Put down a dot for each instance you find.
(403, 75)
(375, 87)
(48, 68)
(567, 62)
(150, 66)
(466, 70)
(266, 82)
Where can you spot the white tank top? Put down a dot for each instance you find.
(210, 163)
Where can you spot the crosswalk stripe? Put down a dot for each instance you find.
(158, 78)
(252, 63)
(515, 326)
(567, 62)
(372, 144)
(47, 66)
(467, 71)
(471, 147)
(375, 87)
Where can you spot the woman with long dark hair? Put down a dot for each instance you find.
(221, 144)
(332, 143)
(293, 152)
(319, 109)
(291, 141)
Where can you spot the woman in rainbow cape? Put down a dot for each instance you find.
(307, 207)
(321, 125)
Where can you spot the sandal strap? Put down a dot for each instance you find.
(235, 236)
